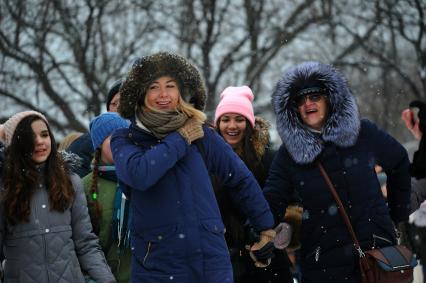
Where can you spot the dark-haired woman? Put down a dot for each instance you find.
(249, 138)
(45, 230)
(108, 205)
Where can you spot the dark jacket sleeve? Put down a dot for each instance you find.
(88, 250)
(246, 193)
(278, 189)
(393, 157)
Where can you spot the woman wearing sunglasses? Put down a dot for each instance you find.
(318, 122)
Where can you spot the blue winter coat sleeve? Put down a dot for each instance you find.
(141, 167)
(225, 164)
(278, 189)
(393, 157)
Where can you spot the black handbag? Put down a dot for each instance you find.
(385, 265)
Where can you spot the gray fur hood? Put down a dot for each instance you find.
(70, 159)
(343, 123)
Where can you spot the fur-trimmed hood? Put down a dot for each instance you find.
(343, 123)
(71, 160)
(148, 68)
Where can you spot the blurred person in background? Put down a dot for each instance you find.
(68, 140)
(108, 206)
(82, 146)
(414, 234)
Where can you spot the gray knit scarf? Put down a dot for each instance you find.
(161, 123)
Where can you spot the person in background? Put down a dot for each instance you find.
(414, 234)
(45, 229)
(82, 146)
(68, 140)
(164, 159)
(108, 207)
(318, 122)
(249, 138)
(416, 124)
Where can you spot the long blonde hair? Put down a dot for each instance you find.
(68, 140)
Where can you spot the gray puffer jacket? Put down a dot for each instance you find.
(53, 246)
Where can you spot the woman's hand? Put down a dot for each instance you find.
(263, 251)
(283, 237)
(192, 130)
(411, 123)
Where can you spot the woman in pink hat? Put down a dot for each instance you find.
(249, 137)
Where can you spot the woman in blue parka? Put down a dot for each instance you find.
(318, 121)
(164, 160)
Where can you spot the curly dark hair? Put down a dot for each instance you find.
(231, 214)
(21, 175)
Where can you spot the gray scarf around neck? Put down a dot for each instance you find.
(160, 124)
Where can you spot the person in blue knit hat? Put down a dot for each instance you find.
(108, 206)
(82, 146)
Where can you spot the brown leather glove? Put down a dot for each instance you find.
(262, 251)
(192, 130)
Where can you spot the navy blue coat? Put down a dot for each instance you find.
(83, 147)
(349, 149)
(177, 231)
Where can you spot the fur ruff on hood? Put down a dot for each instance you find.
(343, 123)
(71, 160)
(149, 68)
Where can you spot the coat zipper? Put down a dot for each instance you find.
(380, 238)
(147, 252)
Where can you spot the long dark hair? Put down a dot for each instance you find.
(231, 215)
(21, 174)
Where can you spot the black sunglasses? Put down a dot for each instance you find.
(314, 97)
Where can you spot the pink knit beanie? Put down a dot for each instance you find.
(8, 128)
(236, 99)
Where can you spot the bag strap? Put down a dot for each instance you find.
(202, 150)
(341, 210)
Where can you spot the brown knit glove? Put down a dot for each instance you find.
(192, 130)
(262, 252)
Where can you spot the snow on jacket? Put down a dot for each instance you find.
(53, 246)
(177, 231)
(348, 149)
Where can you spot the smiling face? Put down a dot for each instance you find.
(42, 141)
(163, 94)
(313, 110)
(232, 127)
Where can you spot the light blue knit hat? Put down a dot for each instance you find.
(104, 125)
